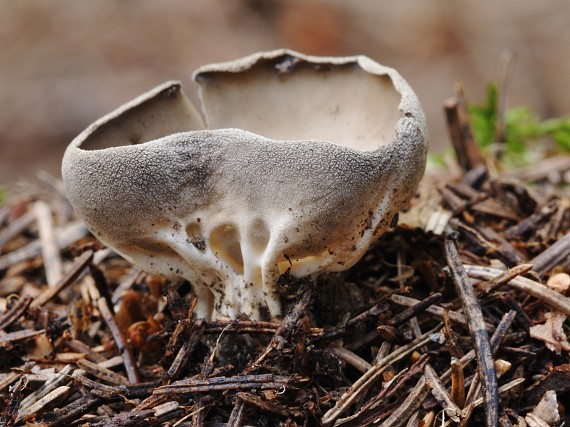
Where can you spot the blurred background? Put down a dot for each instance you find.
(65, 63)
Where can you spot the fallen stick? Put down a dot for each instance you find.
(478, 331)
(531, 287)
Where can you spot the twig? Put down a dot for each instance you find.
(383, 352)
(502, 251)
(478, 332)
(58, 380)
(16, 227)
(502, 329)
(451, 344)
(391, 334)
(69, 278)
(105, 392)
(167, 411)
(124, 349)
(186, 350)
(115, 392)
(434, 310)
(126, 284)
(199, 411)
(494, 208)
(49, 246)
(505, 250)
(10, 409)
(241, 326)
(237, 415)
(457, 382)
(544, 168)
(504, 277)
(496, 339)
(552, 256)
(65, 236)
(238, 382)
(41, 404)
(264, 405)
(372, 375)
(503, 389)
(175, 341)
(9, 379)
(21, 335)
(379, 309)
(378, 407)
(531, 222)
(409, 405)
(475, 177)
(460, 132)
(81, 347)
(352, 359)
(537, 290)
(101, 373)
(413, 310)
(134, 418)
(14, 313)
(441, 395)
(111, 363)
(285, 329)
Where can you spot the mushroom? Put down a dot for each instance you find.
(298, 165)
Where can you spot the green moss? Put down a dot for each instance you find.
(524, 130)
(484, 117)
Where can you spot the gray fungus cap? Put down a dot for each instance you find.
(296, 164)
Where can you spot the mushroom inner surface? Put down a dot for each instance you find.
(340, 103)
(163, 111)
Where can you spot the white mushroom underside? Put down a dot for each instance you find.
(237, 263)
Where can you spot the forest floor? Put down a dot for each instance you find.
(456, 316)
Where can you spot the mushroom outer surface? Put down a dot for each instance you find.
(234, 200)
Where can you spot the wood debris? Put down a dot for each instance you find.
(424, 329)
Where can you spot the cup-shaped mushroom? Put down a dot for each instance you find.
(298, 164)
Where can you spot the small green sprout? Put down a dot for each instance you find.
(524, 130)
